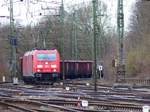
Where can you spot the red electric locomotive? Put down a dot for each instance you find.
(41, 65)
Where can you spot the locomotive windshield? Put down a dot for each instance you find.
(47, 57)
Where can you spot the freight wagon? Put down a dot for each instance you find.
(77, 69)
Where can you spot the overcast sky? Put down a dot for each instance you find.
(28, 10)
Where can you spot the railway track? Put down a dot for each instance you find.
(98, 105)
(34, 106)
(68, 106)
(57, 98)
(65, 105)
(134, 82)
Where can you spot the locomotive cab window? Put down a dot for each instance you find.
(47, 57)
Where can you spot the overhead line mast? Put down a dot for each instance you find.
(13, 42)
(95, 36)
(120, 29)
(62, 37)
(74, 48)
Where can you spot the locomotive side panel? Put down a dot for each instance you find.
(30, 65)
(24, 66)
(27, 65)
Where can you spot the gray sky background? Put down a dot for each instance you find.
(28, 11)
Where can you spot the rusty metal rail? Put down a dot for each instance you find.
(35, 106)
(23, 109)
(97, 105)
(138, 82)
(101, 105)
(133, 81)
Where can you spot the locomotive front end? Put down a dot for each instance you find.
(46, 65)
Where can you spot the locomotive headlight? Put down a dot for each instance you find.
(39, 66)
(53, 66)
(54, 70)
(38, 70)
(46, 63)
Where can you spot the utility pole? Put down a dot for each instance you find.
(100, 35)
(43, 35)
(62, 37)
(95, 35)
(44, 40)
(13, 42)
(120, 29)
(74, 49)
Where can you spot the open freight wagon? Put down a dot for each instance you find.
(77, 69)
